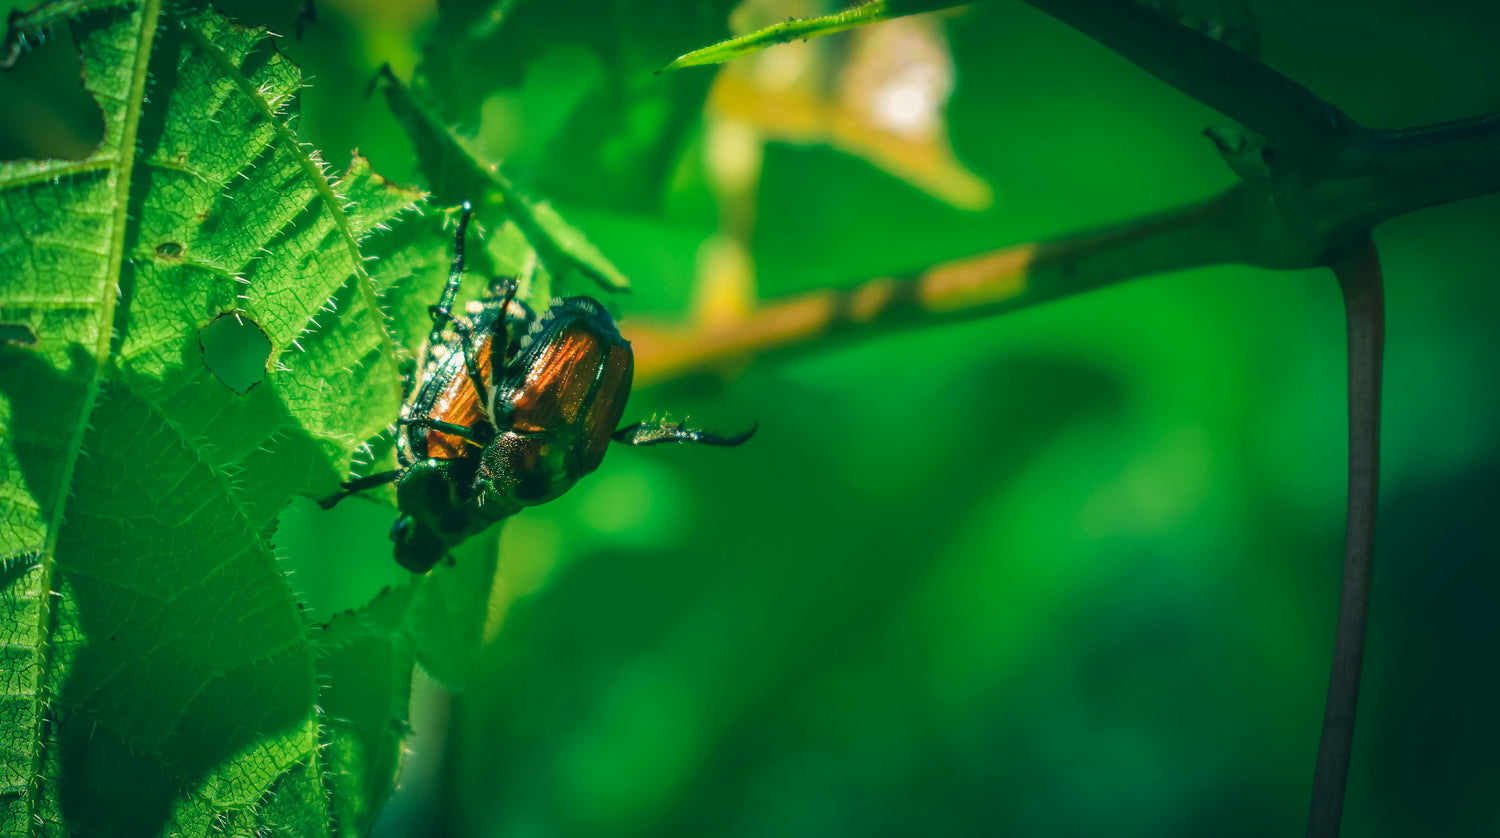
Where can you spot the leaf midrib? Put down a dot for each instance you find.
(125, 154)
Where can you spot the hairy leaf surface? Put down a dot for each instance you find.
(158, 677)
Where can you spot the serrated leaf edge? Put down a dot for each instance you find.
(312, 165)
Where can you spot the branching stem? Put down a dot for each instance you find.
(1310, 197)
(1358, 272)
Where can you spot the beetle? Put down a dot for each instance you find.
(508, 409)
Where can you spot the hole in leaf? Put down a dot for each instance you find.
(18, 334)
(46, 85)
(337, 559)
(236, 351)
(169, 251)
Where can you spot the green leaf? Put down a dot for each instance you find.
(365, 660)
(795, 29)
(457, 173)
(565, 91)
(158, 677)
(449, 614)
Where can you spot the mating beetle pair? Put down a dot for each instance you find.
(509, 409)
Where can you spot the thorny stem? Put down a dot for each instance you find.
(1358, 272)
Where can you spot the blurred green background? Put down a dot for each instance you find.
(1070, 571)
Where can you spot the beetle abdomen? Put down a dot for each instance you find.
(559, 408)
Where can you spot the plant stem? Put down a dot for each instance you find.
(1286, 114)
(1358, 272)
(1014, 277)
(1318, 188)
(1394, 172)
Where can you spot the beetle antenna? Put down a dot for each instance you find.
(360, 484)
(443, 311)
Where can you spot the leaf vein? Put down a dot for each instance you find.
(150, 11)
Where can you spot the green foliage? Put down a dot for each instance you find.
(365, 661)
(564, 90)
(1095, 596)
(165, 682)
(793, 29)
(199, 322)
(159, 676)
(458, 173)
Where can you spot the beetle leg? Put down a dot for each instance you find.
(435, 425)
(503, 349)
(442, 313)
(501, 294)
(360, 484)
(642, 434)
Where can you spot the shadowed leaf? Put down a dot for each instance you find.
(564, 91)
(158, 677)
(458, 173)
(366, 660)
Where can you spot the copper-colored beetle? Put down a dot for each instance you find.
(508, 409)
